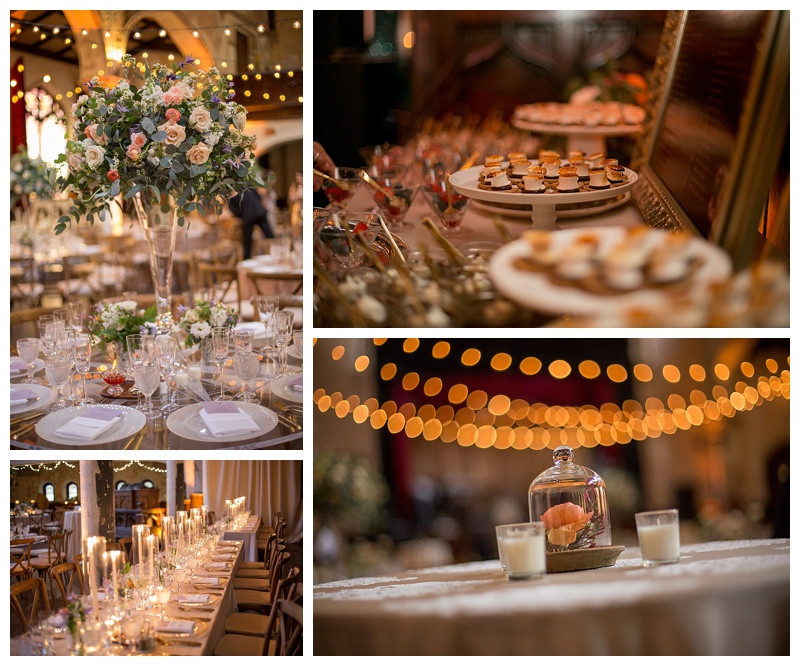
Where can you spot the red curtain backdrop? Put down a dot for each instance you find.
(18, 135)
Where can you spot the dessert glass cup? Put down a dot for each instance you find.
(341, 187)
(449, 205)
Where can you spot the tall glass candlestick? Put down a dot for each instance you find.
(139, 547)
(93, 549)
(112, 560)
(151, 558)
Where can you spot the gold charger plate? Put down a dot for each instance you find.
(583, 558)
(213, 599)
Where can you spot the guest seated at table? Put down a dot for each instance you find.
(249, 208)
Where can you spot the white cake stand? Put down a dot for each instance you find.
(589, 139)
(543, 206)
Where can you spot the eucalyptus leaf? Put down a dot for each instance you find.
(158, 136)
(165, 162)
(147, 125)
(114, 191)
(133, 191)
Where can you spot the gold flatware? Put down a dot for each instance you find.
(450, 210)
(135, 441)
(452, 251)
(178, 641)
(26, 417)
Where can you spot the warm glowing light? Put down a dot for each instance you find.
(477, 400)
(290, 73)
(251, 66)
(296, 25)
(675, 402)
(671, 373)
(69, 93)
(361, 414)
(261, 27)
(137, 35)
(589, 369)
(642, 372)
(108, 34)
(487, 436)
(277, 75)
(378, 419)
(410, 381)
(13, 83)
(410, 345)
(616, 373)
(772, 365)
(414, 427)
(337, 352)
(170, 57)
(470, 357)
(58, 97)
(432, 430)
(56, 30)
(247, 93)
(697, 397)
(282, 98)
(342, 408)
(697, 372)
(258, 77)
(501, 362)
(20, 68)
(68, 41)
(362, 363)
(722, 372)
(224, 63)
(195, 33)
(277, 68)
(396, 423)
(162, 33)
(499, 405)
(747, 369)
(408, 40)
(227, 32)
(433, 386)
(36, 28)
(559, 369)
(94, 46)
(388, 371)
(324, 403)
(84, 32)
(441, 349)
(467, 435)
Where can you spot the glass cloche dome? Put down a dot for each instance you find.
(571, 502)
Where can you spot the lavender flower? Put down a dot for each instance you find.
(187, 61)
(226, 149)
(215, 98)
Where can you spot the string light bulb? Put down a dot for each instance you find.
(36, 28)
(56, 30)
(296, 25)
(67, 41)
(43, 36)
(282, 98)
(260, 27)
(108, 34)
(195, 33)
(46, 78)
(227, 32)
(84, 32)
(162, 33)
(137, 35)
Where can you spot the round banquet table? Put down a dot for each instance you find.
(722, 598)
(72, 521)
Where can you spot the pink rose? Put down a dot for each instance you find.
(74, 160)
(91, 132)
(200, 119)
(176, 134)
(134, 153)
(198, 154)
(173, 114)
(138, 139)
(173, 96)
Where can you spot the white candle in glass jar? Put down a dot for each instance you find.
(193, 372)
(660, 543)
(181, 379)
(524, 555)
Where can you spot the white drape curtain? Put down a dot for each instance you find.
(269, 485)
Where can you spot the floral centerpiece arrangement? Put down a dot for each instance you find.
(30, 176)
(200, 319)
(171, 139)
(113, 322)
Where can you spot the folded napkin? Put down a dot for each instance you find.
(18, 366)
(193, 598)
(296, 385)
(90, 424)
(225, 418)
(227, 549)
(175, 626)
(21, 396)
(217, 565)
(205, 581)
(221, 558)
(232, 544)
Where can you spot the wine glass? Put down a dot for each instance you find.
(47, 333)
(28, 350)
(147, 377)
(297, 337)
(58, 369)
(283, 321)
(162, 596)
(246, 365)
(220, 341)
(265, 306)
(166, 351)
(393, 192)
(80, 344)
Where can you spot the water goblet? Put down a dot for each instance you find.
(58, 369)
(246, 365)
(80, 344)
(162, 596)
(47, 333)
(284, 320)
(28, 350)
(147, 377)
(243, 340)
(220, 341)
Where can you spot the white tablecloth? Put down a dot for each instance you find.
(722, 598)
(248, 535)
(72, 521)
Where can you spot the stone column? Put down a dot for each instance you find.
(172, 478)
(104, 490)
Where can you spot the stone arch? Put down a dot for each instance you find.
(179, 31)
(89, 60)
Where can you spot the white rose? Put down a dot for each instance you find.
(200, 330)
(176, 134)
(200, 119)
(191, 316)
(218, 317)
(128, 305)
(95, 156)
(240, 120)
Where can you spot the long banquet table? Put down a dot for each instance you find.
(247, 535)
(200, 645)
(287, 434)
(722, 598)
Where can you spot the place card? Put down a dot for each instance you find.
(90, 424)
(175, 626)
(193, 598)
(21, 396)
(225, 418)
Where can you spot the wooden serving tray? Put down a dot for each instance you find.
(583, 558)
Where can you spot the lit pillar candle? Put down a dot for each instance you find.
(151, 541)
(193, 372)
(181, 379)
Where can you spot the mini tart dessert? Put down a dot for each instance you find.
(573, 269)
(498, 180)
(492, 164)
(610, 160)
(615, 173)
(493, 159)
(632, 115)
(596, 160)
(598, 180)
(513, 157)
(576, 156)
(548, 154)
(520, 168)
(567, 179)
(582, 169)
(551, 166)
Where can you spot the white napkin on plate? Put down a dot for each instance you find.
(21, 396)
(296, 386)
(90, 424)
(224, 418)
(221, 558)
(18, 366)
(205, 581)
(217, 565)
(192, 598)
(176, 626)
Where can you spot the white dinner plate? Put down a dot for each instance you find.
(38, 364)
(44, 393)
(294, 352)
(131, 423)
(186, 422)
(284, 388)
(536, 291)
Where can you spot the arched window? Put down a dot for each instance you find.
(72, 490)
(147, 483)
(120, 484)
(44, 122)
(49, 491)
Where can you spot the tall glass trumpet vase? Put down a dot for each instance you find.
(159, 223)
